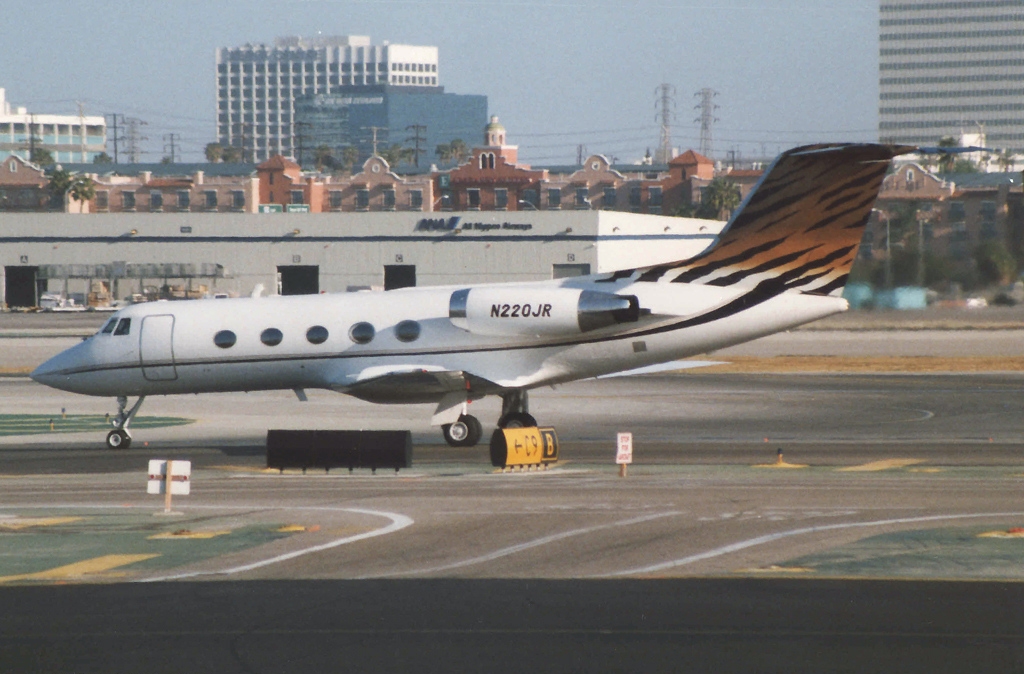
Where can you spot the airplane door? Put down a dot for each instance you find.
(156, 351)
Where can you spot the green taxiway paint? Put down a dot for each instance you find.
(31, 554)
(34, 424)
(951, 552)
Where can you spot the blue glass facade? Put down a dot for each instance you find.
(341, 120)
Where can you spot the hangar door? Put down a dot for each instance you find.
(299, 279)
(22, 287)
(156, 349)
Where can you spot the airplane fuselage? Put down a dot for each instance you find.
(301, 342)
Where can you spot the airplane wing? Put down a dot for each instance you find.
(671, 366)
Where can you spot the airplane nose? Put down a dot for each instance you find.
(56, 372)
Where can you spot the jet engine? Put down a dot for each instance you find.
(511, 311)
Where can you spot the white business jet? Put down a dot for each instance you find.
(780, 262)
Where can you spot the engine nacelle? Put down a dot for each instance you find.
(511, 311)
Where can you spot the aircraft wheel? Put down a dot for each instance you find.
(466, 432)
(517, 420)
(118, 439)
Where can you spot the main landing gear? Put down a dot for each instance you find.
(120, 438)
(467, 431)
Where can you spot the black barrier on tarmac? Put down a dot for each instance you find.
(339, 449)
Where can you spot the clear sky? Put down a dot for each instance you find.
(557, 72)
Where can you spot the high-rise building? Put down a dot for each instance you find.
(68, 138)
(951, 68)
(258, 85)
(417, 118)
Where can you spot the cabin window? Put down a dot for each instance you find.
(271, 336)
(225, 339)
(362, 333)
(407, 331)
(109, 327)
(124, 326)
(317, 334)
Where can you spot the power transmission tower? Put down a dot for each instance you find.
(170, 141)
(417, 139)
(707, 118)
(113, 123)
(581, 150)
(134, 138)
(665, 101)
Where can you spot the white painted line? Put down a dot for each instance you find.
(398, 522)
(769, 538)
(504, 552)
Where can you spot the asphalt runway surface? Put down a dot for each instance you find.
(894, 549)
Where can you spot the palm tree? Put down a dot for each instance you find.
(230, 154)
(214, 152)
(349, 157)
(946, 159)
(82, 189)
(1006, 159)
(323, 156)
(720, 196)
(396, 154)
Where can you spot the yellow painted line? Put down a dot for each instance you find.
(1013, 533)
(778, 569)
(924, 470)
(291, 529)
(875, 466)
(186, 535)
(26, 522)
(79, 569)
(780, 465)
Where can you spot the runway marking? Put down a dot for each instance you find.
(186, 535)
(19, 523)
(876, 466)
(78, 569)
(771, 538)
(511, 550)
(398, 522)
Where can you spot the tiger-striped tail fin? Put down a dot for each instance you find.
(799, 228)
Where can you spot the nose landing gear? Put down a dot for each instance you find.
(120, 438)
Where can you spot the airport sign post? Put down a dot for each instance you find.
(167, 478)
(624, 453)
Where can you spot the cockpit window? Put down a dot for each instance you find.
(124, 326)
(109, 327)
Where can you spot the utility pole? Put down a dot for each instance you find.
(134, 138)
(113, 123)
(300, 139)
(707, 118)
(581, 150)
(81, 129)
(417, 139)
(665, 100)
(374, 130)
(31, 137)
(170, 141)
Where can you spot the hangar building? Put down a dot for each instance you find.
(116, 256)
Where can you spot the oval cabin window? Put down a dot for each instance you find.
(225, 339)
(271, 336)
(317, 334)
(407, 331)
(362, 333)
